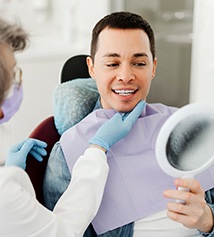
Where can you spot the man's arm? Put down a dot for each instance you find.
(195, 213)
(209, 198)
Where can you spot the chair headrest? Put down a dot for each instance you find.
(72, 101)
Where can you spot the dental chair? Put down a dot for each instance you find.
(74, 67)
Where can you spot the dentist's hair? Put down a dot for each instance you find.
(17, 38)
(13, 34)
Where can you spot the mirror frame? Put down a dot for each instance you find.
(167, 128)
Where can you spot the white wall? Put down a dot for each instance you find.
(202, 76)
(56, 18)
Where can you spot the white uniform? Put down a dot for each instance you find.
(22, 215)
(7, 133)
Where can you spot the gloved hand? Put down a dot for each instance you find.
(117, 127)
(17, 154)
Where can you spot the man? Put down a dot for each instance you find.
(123, 64)
(20, 213)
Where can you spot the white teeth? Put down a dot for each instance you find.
(124, 92)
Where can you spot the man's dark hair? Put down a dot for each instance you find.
(122, 20)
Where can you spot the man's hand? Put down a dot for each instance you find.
(17, 154)
(194, 213)
(117, 127)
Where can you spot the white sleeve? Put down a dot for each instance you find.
(21, 215)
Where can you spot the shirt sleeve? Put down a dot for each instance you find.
(22, 215)
(209, 197)
(57, 177)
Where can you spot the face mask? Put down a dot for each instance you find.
(12, 103)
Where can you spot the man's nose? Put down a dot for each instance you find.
(125, 73)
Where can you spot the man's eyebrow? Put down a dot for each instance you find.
(115, 55)
(137, 55)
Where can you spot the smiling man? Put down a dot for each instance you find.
(123, 64)
(123, 68)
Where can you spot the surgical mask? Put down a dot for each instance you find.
(12, 103)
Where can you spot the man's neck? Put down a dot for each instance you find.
(97, 105)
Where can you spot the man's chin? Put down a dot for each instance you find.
(124, 109)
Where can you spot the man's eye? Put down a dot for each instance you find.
(141, 64)
(112, 64)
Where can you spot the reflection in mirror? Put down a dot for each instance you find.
(190, 144)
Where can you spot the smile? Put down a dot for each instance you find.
(124, 92)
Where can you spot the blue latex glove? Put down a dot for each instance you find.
(17, 154)
(117, 127)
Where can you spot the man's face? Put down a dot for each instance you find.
(123, 68)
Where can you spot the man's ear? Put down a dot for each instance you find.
(90, 65)
(154, 68)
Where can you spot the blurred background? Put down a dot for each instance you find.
(60, 29)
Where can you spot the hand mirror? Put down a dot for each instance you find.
(185, 143)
